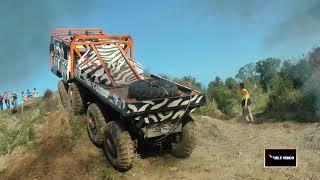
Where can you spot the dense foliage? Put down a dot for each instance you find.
(282, 89)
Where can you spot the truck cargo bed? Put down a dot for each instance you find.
(118, 98)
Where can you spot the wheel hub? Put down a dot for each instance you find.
(92, 125)
(111, 147)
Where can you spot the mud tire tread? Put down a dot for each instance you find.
(100, 124)
(184, 148)
(124, 147)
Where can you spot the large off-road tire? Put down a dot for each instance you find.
(62, 88)
(118, 146)
(76, 99)
(96, 124)
(157, 88)
(185, 146)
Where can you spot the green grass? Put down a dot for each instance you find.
(20, 129)
(77, 126)
(210, 109)
(104, 174)
(259, 103)
(232, 105)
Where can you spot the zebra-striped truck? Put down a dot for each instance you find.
(125, 108)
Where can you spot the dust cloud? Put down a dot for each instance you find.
(301, 25)
(24, 34)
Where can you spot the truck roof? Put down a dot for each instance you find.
(92, 45)
(69, 35)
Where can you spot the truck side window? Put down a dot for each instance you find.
(51, 48)
(65, 52)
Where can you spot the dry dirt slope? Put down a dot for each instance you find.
(226, 150)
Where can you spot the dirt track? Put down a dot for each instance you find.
(225, 150)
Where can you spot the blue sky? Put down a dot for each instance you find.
(203, 38)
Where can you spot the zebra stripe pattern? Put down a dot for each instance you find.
(166, 103)
(164, 116)
(91, 68)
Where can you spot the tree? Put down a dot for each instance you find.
(278, 98)
(222, 95)
(216, 83)
(286, 69)
(314, 57)
(247, 72)
(231, 83)
(186, 80)
(298, 73)
(267, 69)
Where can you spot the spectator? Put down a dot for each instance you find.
(24, 100)
(6, 99)
(29, 95)
(1, 102)
(35, 93)
(14, 97)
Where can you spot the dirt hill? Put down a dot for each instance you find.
(227, 149)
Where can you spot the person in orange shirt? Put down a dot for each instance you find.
(246, 102)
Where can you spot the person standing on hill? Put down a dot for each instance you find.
(6, 99)
(1, 102)
(14, 97)
(35, 93)
(24, 100)
(246, 102)
(29, 95)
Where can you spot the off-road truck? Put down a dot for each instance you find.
(125, 108)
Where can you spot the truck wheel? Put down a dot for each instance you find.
(62, 88)
(158, 88)
(118, 146)
(96, 124)
(76, 100)
(184, 148)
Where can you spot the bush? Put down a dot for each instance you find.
(281, 94)
(225, 99)
(259, 100)
(210, 109)
(21, 133)
(48, 94)
(286, 102)
(20, 129)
